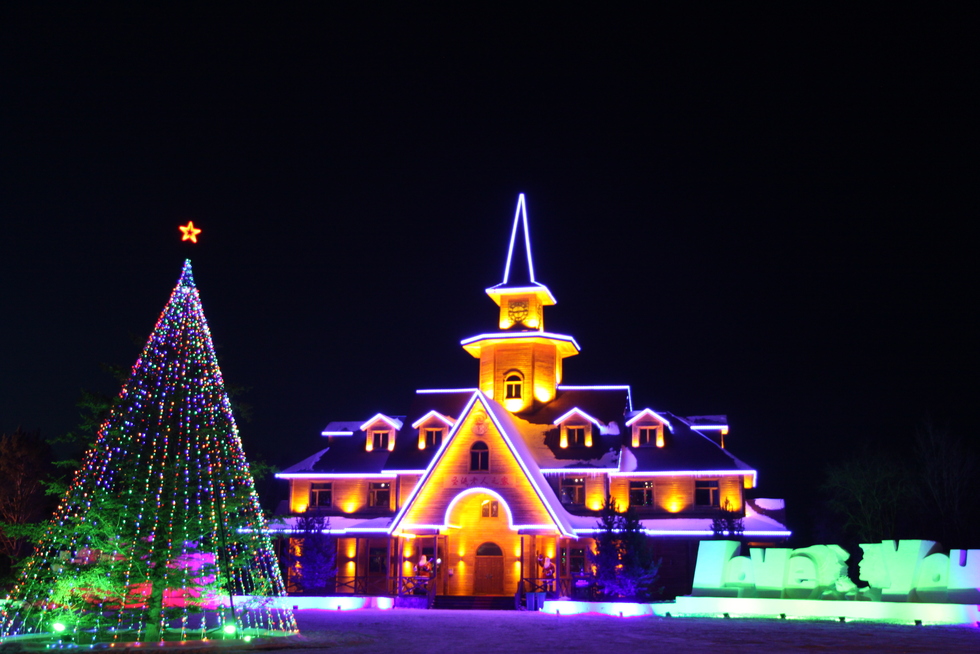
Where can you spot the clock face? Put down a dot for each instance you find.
(517, 310)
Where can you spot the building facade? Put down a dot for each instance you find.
(497, 489)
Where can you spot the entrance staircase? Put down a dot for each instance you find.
(475, 602)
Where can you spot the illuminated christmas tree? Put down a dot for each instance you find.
(160, 535)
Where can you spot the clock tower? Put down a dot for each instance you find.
(520, 365)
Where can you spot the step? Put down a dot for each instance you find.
(475, 602)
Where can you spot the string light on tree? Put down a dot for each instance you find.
(160, 534)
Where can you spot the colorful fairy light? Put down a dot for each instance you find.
(160, 533)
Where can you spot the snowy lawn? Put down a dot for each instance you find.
(432, 632)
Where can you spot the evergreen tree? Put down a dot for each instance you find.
(312, 557)
(160, 528)
(623, 560)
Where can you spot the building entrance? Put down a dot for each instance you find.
(489, 572)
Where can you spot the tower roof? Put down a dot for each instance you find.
(519, 267)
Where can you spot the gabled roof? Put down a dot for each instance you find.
(407, 456)
(685, 450)
(514, 440)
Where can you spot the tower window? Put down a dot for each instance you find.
(512, 386)
(479, 457)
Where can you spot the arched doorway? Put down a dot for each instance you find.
(489, 572)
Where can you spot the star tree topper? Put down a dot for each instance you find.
(190, 232)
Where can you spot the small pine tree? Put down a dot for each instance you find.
(623, 560)
(728, 523)
(312, 557)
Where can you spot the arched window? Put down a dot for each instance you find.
(479, 457)
(489, 549)
(512, 386)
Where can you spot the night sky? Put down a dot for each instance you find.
(770, 216)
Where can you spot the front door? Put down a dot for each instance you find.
(489, 573)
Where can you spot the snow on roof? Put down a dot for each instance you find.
(306, 465)
(753, 523)
(341, 428)
(336, 524)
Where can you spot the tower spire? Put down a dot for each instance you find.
(519, 272)
(520, 365)
(519, 296)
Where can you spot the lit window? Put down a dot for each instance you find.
(641, 493)
(490, 509)
(479, 457)
(380, 439)
(648, 434)
(380, 494)
(573, 490)
(512, 386)
(706, 492)
(321, 494)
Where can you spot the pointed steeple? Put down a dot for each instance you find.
(519, 286)
(520, 365)
(519, 271)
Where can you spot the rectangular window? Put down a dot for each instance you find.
(479, 458)
(573, 490)
(490, 509)
(647, 435)
(706, 492)
(576, 436)
(641, 493)
(433, 437)
(377, 560)
(321, 494)
(380, 494)
(576, 560)
(380, 440)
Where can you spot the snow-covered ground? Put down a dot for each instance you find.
(433, 632)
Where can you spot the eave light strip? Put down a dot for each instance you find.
(697, 532)
(582, 413)
(336, 475)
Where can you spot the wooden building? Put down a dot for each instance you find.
(499, 486)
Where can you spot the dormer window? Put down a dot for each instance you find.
(648, 434)
(432, 429)
(648, 429)
(576, 429)
(575, 436)
(380, 439)
(513, 386)
(431, 437)
(380, 431)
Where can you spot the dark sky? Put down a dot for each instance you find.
(765, 215)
